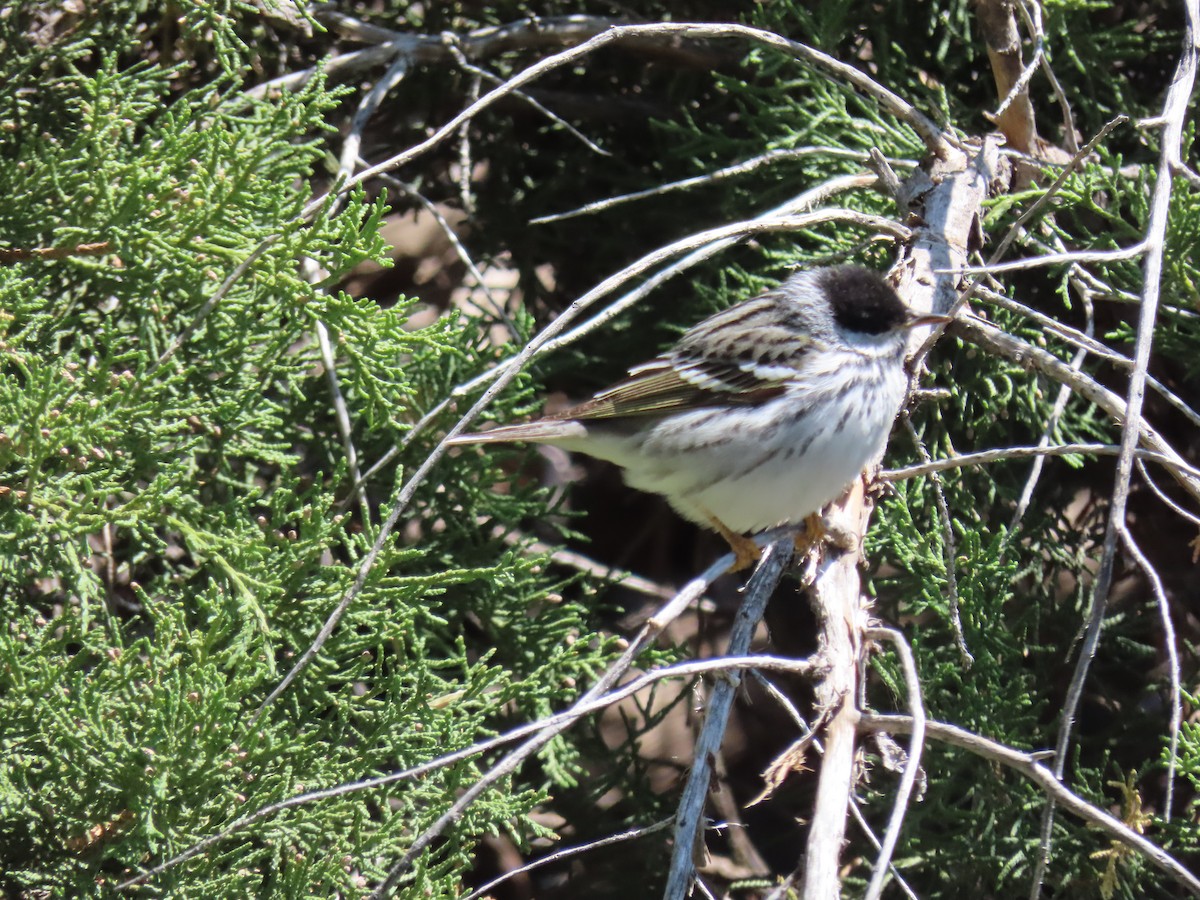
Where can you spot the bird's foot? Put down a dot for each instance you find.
(746, 553)
(818, 530)
(814, 533)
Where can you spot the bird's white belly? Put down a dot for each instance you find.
(754, 471)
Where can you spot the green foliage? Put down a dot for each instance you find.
(171, 522)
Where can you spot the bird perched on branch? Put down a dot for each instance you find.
(759, 415)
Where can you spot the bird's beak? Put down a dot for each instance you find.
(915, 320)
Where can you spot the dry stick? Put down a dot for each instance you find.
(837, 601)
(1031, 12)
(1000, 454)
(1060, 405)
(1174, 111)
(1015, 117)
(1056, 259)
(771, 566)
(510, 372)
(555, 723)
(912, 765)
(581, 563)
(714, 177)
(1161, 494)
(1028, 765)
(1069, 169)
(1085, 341)
(1164, 610)
(460, 251)
(481, 74)
(567, 852)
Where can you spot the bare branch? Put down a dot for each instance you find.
(1031, 13)
(1015, 117)
(904, 791)
(1164, 610)
(758, 590)
(632, 834)
(1054, 259)
(1027, 764)
(1060, 405)
(983, 457)
(719, 175)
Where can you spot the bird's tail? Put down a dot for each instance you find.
(543, 431)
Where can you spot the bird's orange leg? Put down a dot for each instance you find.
(745, 551)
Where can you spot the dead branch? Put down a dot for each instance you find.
(775, 560)
(1028, 765)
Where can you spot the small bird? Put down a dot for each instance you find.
(759, 415)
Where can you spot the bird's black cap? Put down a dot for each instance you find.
(862, 301)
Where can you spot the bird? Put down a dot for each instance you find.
(758, 416)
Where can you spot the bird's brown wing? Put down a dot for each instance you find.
(742, 356)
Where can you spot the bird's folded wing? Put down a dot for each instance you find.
(667, 385)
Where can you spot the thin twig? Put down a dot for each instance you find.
(1045, 197)
(1053, 259)
(1162, 495)
(567, 852)
(1164, 610)
(949, 548)
(460, 251)
(581, 563)
(1028, 765)
(911, 766)
(1060, 405)
(1085, 339)
(1031, 13)
(741, 168)
(771, 566)
(481, 74)
(1000, 454)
